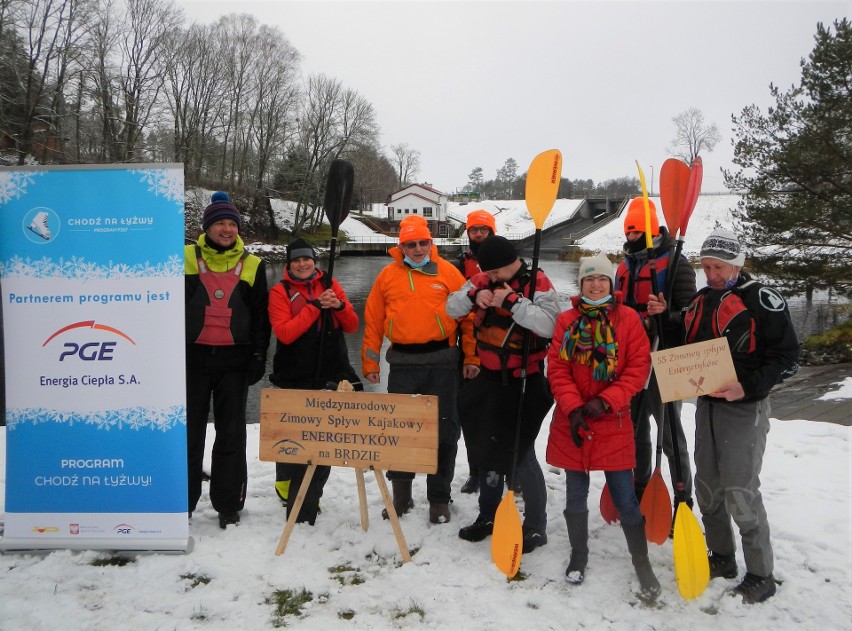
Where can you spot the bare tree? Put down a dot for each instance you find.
(129, 73)
(49, 26)
(407, 163)
(332, 119)
(194, 93)
(692, 135)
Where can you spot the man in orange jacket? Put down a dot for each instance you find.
(406, 305)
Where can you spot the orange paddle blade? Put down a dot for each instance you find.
(507, 542)
(692, 569)
(696, 175)
(656, 507)
(674, 179)
(543, 178)
(608, 510)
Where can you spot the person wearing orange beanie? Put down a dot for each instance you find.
(480, 225)
(633, 280)
(406, 305)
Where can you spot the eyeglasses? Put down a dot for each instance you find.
(410, 245)
(475, 229)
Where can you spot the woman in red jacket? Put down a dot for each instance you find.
(297, 306)
(599, 358)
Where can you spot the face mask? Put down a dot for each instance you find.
(597, 303)
(731, 282)
(416, 265)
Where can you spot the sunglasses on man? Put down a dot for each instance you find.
(410, 245)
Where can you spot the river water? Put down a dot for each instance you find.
(357, 274)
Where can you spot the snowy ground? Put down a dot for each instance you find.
(356, 580)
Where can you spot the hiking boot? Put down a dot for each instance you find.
(478, 530)
(533, 539)
(402, 501)
(722, 565)
(439, 513)
(578, 535)
(226, 519)
(754, 588)
(471, 485)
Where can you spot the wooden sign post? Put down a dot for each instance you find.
(693, 370)
(349, 429)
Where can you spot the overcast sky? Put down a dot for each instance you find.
(471, 84)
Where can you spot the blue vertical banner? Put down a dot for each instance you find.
(91, 267)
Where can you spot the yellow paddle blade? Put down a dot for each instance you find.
(507, 542)
(692, 568)
(649, 243)
(543, 178)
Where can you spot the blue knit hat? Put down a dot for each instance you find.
(219, 208)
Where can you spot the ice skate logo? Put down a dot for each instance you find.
(288, 447)
(41, 225)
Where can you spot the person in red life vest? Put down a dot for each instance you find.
(732, 423)
(480, 226)
(227, 336)
(489, 405)
(296, 311)
(633, 280)
(599, 358)
(406, 305)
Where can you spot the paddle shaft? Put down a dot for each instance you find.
(339, 183)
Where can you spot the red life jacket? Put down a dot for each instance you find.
(468, 265)
(731, 319)
(219, 286)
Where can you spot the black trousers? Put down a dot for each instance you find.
(228, 390)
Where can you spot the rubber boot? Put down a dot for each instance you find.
(578, 535)
(402, 502)
(637, 544)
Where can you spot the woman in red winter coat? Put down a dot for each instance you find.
(297, 307)
(599, 358)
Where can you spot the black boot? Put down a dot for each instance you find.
(578, 535)
(402, 502)
(637, 544)
(722, 565)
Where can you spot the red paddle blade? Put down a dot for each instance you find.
(608, 510)
(696, 174)
(656, 507)
(674, 180)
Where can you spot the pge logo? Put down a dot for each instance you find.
(88, 351)
(288, 447)
(123, 529)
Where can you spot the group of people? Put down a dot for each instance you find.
(487, 335)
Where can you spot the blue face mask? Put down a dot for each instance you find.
(416, 265)
(597, 303)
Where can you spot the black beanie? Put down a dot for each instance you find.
(298, 248)
(496, 252)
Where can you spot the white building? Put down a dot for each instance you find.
(417, 199)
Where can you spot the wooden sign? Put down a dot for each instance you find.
(396, 432)
(693, 370)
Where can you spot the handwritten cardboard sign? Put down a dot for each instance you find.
(693, 370)
(396, 432)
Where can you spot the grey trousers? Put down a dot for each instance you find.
(730, 439)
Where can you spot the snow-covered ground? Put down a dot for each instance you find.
(356, 580)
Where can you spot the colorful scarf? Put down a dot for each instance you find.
(591, 341)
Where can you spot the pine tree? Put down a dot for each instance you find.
(796, 173)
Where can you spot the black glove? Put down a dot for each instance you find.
(256, 368)
(577, 421)
(594, 408)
